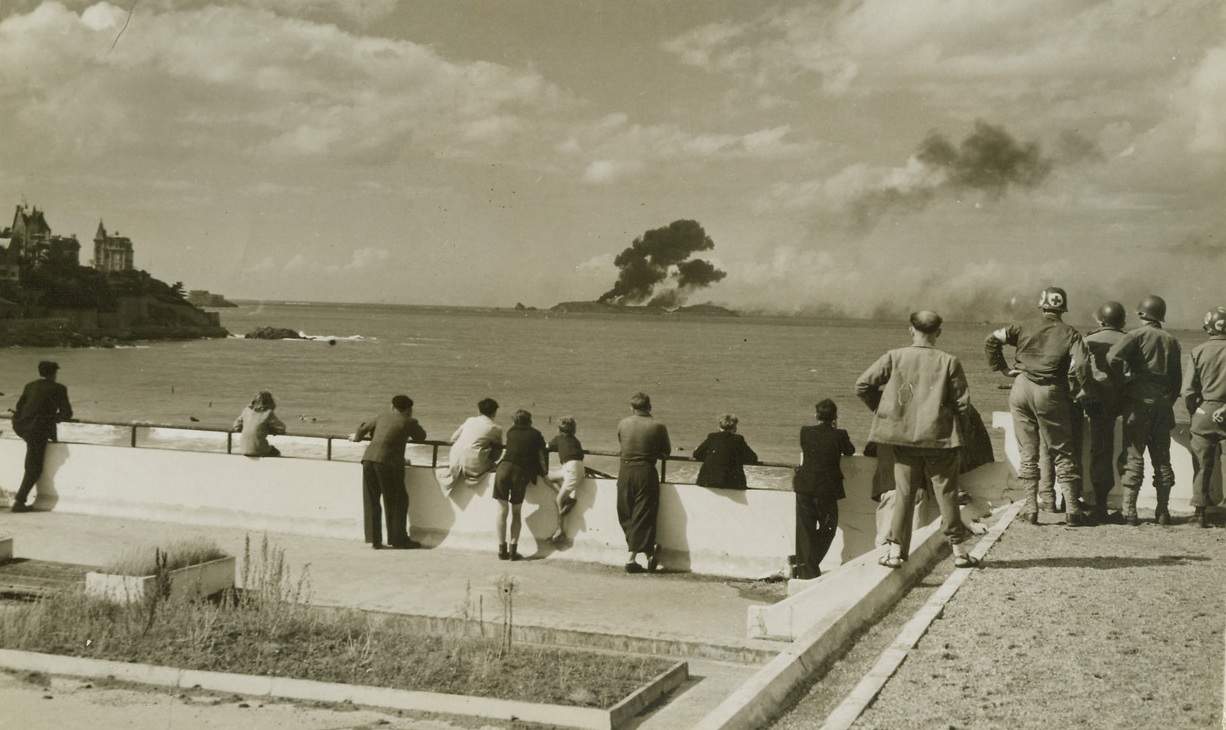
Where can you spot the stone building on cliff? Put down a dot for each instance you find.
(112, 252)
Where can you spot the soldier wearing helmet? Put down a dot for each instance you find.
(1105, 407)
(1145, 362)
(1204, 393)
(1052, 366)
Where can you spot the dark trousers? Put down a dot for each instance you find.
(817, 518)
(1206, 448)
(638, 504)
(938, 466)
(386, 482)
(1147, 426)
(1105, 465)
(36, 453)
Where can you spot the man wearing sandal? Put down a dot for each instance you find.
(918, 395)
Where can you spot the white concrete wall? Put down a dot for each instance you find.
(721, 532)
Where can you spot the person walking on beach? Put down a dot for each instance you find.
(256, 423)
(475, 446)
(43, 404)
(567, 478)
(1104, 407)
(1146, 361)
(643, 441)
(724, 455)
(819, 487)
(1204, 394)
(524, 460)
(1051, 367)
(383, 465)
(918, 394)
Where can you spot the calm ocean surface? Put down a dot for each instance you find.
(768, 371)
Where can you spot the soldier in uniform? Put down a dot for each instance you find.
(1146, 362)
(1051, 367)
(1105, 407)
(1204, 393)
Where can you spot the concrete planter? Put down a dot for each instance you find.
(397, 699)
(193, 581)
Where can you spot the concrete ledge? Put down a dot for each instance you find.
(858, 591)
(878, 589)
(304, 689)
(6, 549)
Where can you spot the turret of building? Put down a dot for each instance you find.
(112, 252)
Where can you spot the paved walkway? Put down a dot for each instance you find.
(700, 619)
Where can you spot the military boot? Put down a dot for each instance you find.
(1161, 514)
(1130, 507)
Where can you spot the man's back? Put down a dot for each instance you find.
(42, 404)
(643, 439)
(922, 392)
(389, 434)
(1147, 362)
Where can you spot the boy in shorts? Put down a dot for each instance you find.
(569, 475)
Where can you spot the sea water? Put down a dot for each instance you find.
(769, 371)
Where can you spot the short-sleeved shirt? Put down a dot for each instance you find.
(523, 448)
(567, 446)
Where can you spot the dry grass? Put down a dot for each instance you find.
(267, 628)
(142, 561)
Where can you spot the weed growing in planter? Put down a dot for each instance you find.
(266, 627)
(143, 561)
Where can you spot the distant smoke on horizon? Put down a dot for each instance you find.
(657, 267)
(989, 160)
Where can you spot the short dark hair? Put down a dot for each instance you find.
(926, 322)
(566, 424)
(522, 418)
(487, 407)
(402, 403)
(640, 401)
(47, 367)
(827, 410)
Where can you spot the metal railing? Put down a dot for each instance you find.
(133, 429)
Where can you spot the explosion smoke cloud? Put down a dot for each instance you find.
(989, 160)
(657, 267)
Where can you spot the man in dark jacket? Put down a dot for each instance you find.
(724, 455)
(1146, 362)
(819, 487)
(1104, 407)
(42, 405)
(383, 472)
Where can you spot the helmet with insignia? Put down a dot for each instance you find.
(1053, 299)
(1215, 321)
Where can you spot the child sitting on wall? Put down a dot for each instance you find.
(569, 475)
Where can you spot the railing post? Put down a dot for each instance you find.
(229, 442)
(434, 457)
(329, 439)
(664, 469)
(133, 438)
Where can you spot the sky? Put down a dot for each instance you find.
(857, 158)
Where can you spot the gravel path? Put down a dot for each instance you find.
(1103, 627)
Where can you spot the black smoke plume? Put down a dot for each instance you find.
(989, 160)
(657, 267)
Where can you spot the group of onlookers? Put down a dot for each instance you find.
(923, 429)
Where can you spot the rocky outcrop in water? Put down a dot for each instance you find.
(274, 333)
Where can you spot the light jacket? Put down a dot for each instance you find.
(918, 393)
